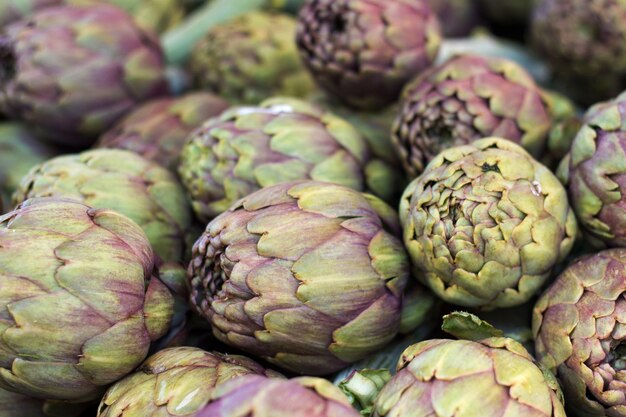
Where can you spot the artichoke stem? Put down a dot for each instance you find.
(179, 42)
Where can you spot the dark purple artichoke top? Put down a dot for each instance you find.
(158, 129)
(583, 37)
(467, 98)
(73, 71)
(258, 396)
(365, 51)
(307, 275)
(579, 330)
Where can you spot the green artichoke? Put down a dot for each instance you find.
(485, 224)
(159, 129)
(80, 304)
(122, 181)
(251, 58)
(281, 140)
(16, 405)
(508, 12)
(12, 10)
(175, 382)
(597, 172)
(309, 305)
(20, 150)
(583, 37)
(153, 15)
(458, 17)
(470, 97)
(462, 378)
(365, 51)
(73, 71)
(578, 325)
(257, 396)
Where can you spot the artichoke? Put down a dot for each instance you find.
(309, 305)
(491, 377)
(281, 140)
(257, 396)
(80, 303)
(251, 58)
(578, 325)
(365, 51)
(153, 15)
(73, 71)
(597, 166)
(485, 224)
(16, 405)
(122, 181)
(458, 17)
(20, 150)
(175, 382)
(159, 129)
(583, 37)
(470, 97)
(12, 10)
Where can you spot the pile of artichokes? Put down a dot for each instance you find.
(312, 208)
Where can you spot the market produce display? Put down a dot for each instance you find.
(159, 129)
(312, 208)
(281, 140)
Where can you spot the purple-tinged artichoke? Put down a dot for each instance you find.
(175, 382)
(257, 396)
(582, 37)
(119, 180)
(13, 10)
(159, 129)
(470, 97)
(281, 140)
(307, 275)
(73, 71)
(250, 59)
(365, 51)
(485, 224)
(457, 17)
(578, 326)
(597, 172)
(80, 303)
(20, 150)
(492, 377)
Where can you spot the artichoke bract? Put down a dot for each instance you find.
(470, 97)
(73, 71)
(491, 377)
(578, 324)
(485, 224)
(581, 37)
(365, 51)
(307, 275)
(281, 140)
(80, 303)
(175, 382)
(159, 129)
(119, 180)
(16, 405)
(20, 150)
(12, 10)
(597, 172)
(153, 15)
(457, 17)
(251, 58)
(257, 396)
